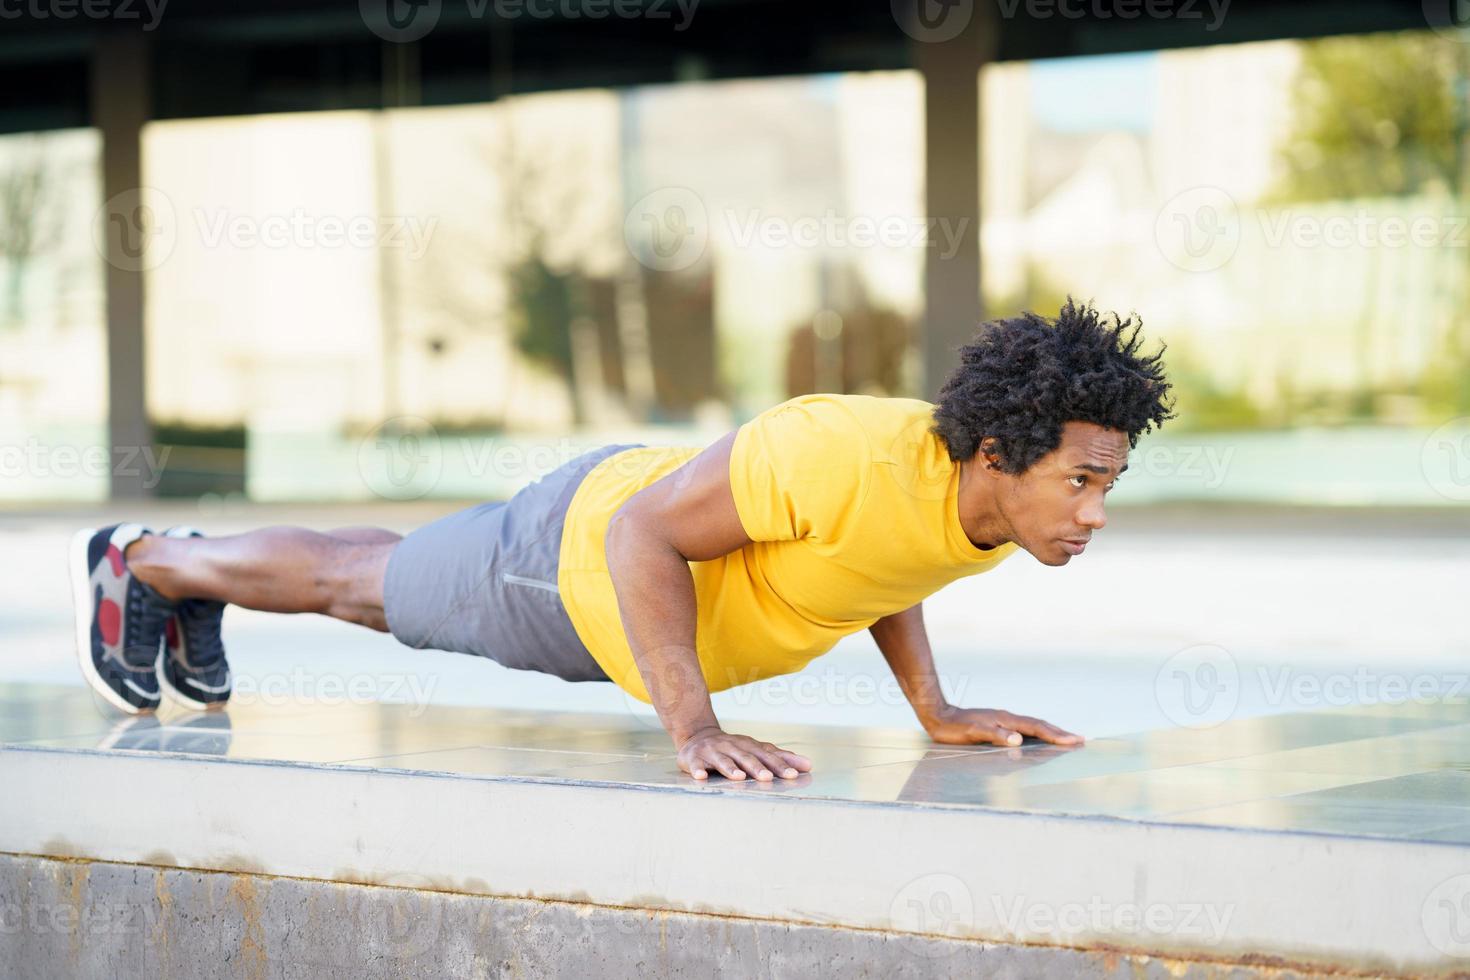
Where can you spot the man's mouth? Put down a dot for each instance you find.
(1074, 547)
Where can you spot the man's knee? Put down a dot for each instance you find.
(357, 593)
(366, 535)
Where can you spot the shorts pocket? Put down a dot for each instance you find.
(533, 583)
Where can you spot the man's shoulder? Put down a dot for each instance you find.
(889, 429)
(876, 414)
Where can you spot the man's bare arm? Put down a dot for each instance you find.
(905, 645)
(688, 515)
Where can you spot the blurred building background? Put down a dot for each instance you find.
(327, 262)
(460, 258)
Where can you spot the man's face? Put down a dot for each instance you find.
(1056, 505)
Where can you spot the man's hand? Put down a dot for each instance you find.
(735, 756)
(973, 726)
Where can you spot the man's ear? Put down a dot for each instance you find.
(989, 453)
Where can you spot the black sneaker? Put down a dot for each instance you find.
(120, 620)
(192, 669)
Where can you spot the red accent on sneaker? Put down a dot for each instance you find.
(116, 558)
(109, 621)
(171, 632)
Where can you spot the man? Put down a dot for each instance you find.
(677, 572)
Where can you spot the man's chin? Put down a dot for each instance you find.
(1055, 557)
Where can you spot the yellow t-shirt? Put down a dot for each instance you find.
(851, 506)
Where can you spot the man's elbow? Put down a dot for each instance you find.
(617, 531)
(629, 526)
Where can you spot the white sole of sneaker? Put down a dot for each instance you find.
(81, 597)
(178, 696)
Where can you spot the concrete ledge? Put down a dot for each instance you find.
(1228, 895)
(92, 919)
(1335, 842)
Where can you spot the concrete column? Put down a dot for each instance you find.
(952, 304)
(121, 103)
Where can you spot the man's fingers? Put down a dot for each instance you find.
(1037, 728)
(795, 760)
(1001, 735)
(770, 757)
(739, 757)
(724, 764)
(754, 766)
(779, 761)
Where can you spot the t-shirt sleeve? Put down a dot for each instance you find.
(800, 469)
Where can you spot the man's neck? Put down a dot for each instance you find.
(980, 518)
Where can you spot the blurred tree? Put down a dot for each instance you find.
(543, 306)
(1386, 116)
(29, 225)
(549, 290)
(1372, 116)
(858, 350)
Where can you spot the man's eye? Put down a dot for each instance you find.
(1082, 484)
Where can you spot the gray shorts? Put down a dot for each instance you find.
(483, 580)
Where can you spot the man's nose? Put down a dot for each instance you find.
(1093, 517)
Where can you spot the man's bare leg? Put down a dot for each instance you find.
(276, 569)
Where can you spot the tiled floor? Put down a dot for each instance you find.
(1389, 771)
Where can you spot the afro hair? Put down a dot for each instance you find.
(1023, 378)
